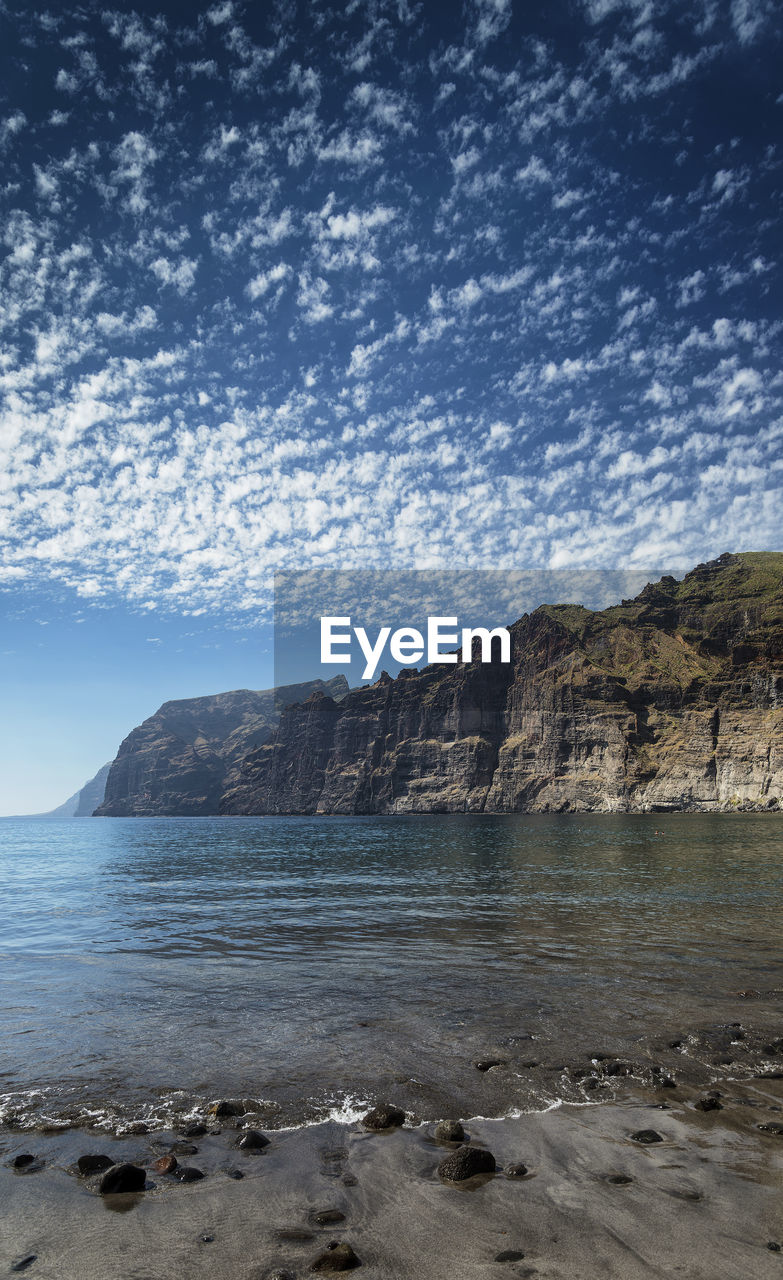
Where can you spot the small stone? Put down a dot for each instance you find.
(769, 1075)
(121, 1178)
(466, 1163)
(189, 1173)
(279, 1275)
(708, 1104)
(294, 1235)
(164, 1164)
(646, 1136)
(22, 1264)
(384, 1116)
(517, 1170)
(253, 1141)
(22, 1161)
(771, 1127)
(509, 1255)
(236, 1174)
(184, 1148)
(450, 1131)
(326, 1216)
(207, 1239)
(349, 1180)
(773, 1246)
(336, 1257)
(94, 1163)
(227, 1108)
(196, 1130)
(486, 1064)
(137, 1129)
(619, 1179)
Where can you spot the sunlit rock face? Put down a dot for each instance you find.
(673, 700)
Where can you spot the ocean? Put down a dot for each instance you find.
(314, 966)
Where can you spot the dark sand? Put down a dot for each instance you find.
(704, 1203)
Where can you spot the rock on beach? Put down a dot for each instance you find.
(384, 1116)
(336, 1257)
(122, 1177)
(466, 1163)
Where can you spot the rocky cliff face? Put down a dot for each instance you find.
(180, 760)
(672, 700)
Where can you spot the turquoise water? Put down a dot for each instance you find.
(147, 965)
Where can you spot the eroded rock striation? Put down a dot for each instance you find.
(673, 700)
(180, 760)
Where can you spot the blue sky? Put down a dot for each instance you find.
(375, 284)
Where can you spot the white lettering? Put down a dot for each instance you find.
(328, 640)
(435, 638)
(372, 652)
(407, 645)
(469, 634)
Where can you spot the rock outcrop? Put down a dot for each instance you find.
(180, 760)
(673, 700)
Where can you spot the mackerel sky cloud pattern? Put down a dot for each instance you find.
(385, 284)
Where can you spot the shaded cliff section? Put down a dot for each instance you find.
(672, 700)
(179, 762)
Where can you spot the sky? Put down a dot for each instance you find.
(376, 284)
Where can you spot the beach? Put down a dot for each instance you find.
(704, 1202)
(557, 983)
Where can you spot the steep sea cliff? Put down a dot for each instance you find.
(673, 700)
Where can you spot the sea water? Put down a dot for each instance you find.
(311, 965)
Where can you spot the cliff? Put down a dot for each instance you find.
(673, 700)
(179, 761)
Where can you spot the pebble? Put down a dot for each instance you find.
(771, 1127)
(647, 1136)
(773, 1246)
(325, 1216)
(94, 1163)
(336, 1257)
(280, 1275)
(184, 1148)
(236, 1174)
(22, 1161)
(465, 1163)
(708, 1104)
(121, 1178)
(27, 1261)
(486, 1064)
(188, 1173)
(619, 1179)
(384, 1116)
(517, 1170)
(450, 1131)
(165, 1164)
(509, 1255)
(194, 1130)
(227, 1108)
(253, 1141)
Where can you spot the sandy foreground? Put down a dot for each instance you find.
(704, 1203)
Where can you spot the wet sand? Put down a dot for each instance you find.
(704, 1203)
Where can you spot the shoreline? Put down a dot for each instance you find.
(705, 1201)
(486, 1079)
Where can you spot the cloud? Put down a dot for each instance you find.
(379, 287)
